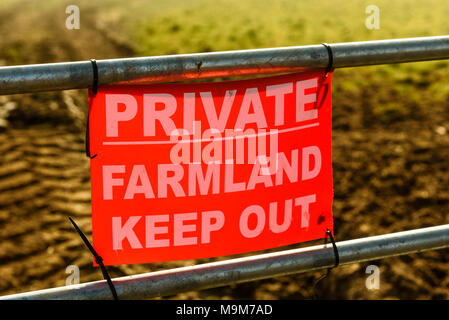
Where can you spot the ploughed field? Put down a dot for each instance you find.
(390, 167)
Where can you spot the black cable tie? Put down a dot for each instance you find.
(88, 138)
(95, 76)
(94, 91)
(98, 259)
(337, 259)
(337, 256)
(330, 64)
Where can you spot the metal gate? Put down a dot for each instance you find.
(78, 75)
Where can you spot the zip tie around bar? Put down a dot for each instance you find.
(98, 259)
(337, 260)
(94, 91)
(95, 76)
(330, 64)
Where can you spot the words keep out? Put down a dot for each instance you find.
(193, 228)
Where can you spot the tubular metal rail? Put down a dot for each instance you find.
(78, 75)
(209, 275)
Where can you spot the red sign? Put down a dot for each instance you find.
(186, 171)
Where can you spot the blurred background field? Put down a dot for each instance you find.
(390, 133)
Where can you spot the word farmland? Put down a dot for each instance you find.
(186, 171)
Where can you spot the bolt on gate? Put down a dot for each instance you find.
(79, 75)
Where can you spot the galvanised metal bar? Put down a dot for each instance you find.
(209, 275)
(77, 75)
